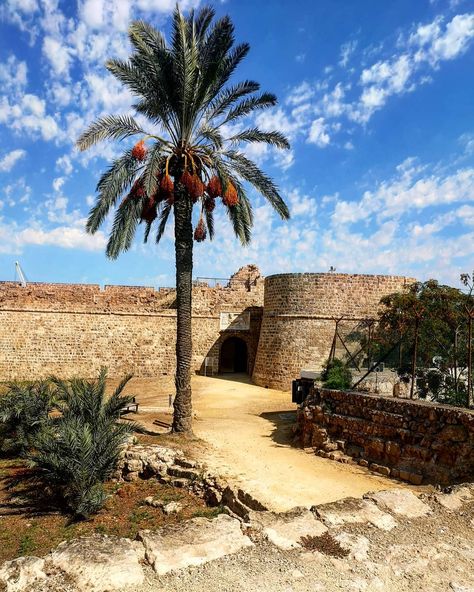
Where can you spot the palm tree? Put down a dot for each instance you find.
(198, 122)
(78, 449)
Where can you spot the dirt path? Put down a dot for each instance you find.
(248, 432)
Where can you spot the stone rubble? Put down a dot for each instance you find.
(168, 465)
(454, 500)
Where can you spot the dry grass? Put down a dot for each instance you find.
(324, 543)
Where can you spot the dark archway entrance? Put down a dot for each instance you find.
(233, 356)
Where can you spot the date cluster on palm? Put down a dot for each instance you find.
(200, 187)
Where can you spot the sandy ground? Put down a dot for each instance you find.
(247, 431)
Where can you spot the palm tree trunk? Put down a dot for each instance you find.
(182, 419)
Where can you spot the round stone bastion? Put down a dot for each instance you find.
(300, 314)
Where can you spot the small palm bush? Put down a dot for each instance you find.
(78, 450)
(24, 411)
(336, 375)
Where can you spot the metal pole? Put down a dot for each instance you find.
(469, 361)
(456, 389)
(413, 362)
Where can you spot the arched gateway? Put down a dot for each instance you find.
(233, 356)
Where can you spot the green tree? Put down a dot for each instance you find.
(428, 322)
(336, 375)
(198, 122)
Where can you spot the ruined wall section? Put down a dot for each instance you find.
(73, 329)
(416, 441)
(300, 310)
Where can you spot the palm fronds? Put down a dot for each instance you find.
(114, 127)
(183, 88)
(79, 450)
(111, 186)
(24, 410)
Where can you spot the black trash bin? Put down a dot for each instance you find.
(300, 389)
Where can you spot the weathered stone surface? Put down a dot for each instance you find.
(100, 563)
(172, 508)
(415, 441)
(357, 545)
(285, 530)
(354, 511)
(194, 542)
(21, 574)
(455, 500)
(456, 587)
(402, 502)
(183, 473)
(74, 329)
(186, 463)
(231, 499)
(298, 327)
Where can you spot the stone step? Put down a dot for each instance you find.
(183, 473)
(185, 463)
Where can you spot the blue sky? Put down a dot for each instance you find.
(377, 99)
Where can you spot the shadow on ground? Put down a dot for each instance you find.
(283, 422)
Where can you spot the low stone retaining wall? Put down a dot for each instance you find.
(415, 441)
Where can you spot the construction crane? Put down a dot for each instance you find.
(20, 275)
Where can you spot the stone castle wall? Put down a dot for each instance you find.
(416, 441)
(72, 330)
(300, 311)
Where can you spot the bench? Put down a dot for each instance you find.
(132, 407)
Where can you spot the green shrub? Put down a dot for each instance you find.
(78, 450)
(24, 411)
(336, 375)
(438, 385)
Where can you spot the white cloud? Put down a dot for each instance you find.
(13, 74)
(58, 183)
(426, 34)
(25, 6)
(332, 103)
(301, 205)
(10, 159)
(409, 190)
(13, 240)
(17, 192)
(411, 64)
(166, 5)
(58, 55)
(92, 13)
(347, 49)
(64, 164)
(318, 133)
(454, 40)
(301, 94)
(276, 119)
